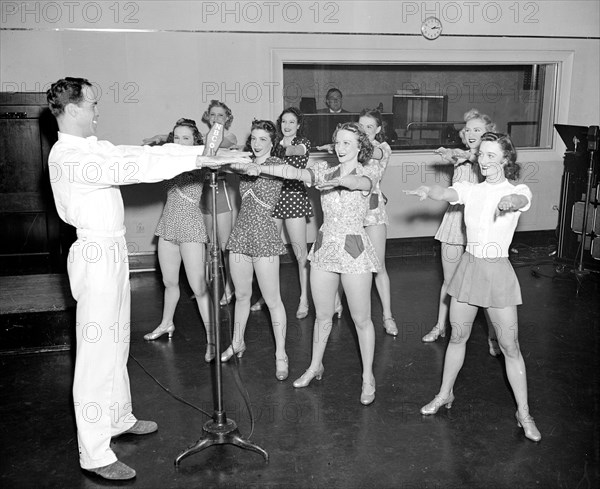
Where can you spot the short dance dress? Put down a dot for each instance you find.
(452, 228)
(181, 220)
(484, 276)
(376, 213)
(342, 244)
(293, 201)
(255, 230)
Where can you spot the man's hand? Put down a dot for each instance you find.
(223, 158)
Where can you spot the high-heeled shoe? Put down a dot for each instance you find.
(307, 377)
(434, 334)
(339, 309)
(494, 347)
(302, 311)
(226, 299)
(365, 397)
(389, 324)
(227, 354)
(211, 352)
(158, 332)
(281, 368)
(529, 427)
(438, 401)
(257, 306)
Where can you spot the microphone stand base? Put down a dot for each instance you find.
(221, 433)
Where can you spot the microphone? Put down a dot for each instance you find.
(214, 138)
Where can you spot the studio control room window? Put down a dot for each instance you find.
(423, 104)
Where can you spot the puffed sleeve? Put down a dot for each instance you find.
(524, 190)
(464, 190)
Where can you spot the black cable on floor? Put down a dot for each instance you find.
(236, 373)
(167, 390)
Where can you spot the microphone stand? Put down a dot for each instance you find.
(220, 430)
(592, 146)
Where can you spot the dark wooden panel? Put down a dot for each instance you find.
(34, 240)
(24, 233)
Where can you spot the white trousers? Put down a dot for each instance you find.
(99, 277)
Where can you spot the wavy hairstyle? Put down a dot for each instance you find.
(218, 103)
(183, 122)
(490, 125)
(299, 117)
(365, 147)
(65, 91)
(512, 168)
(268, 127)
(376, 116)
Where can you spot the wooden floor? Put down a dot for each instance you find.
(321, 436)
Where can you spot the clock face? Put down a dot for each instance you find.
(431, 28)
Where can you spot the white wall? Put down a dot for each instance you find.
(156, 61)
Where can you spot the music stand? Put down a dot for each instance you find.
(219, 430)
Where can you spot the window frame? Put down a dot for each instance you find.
(560, 94)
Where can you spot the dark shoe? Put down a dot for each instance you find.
(117, 471)
(140, 428)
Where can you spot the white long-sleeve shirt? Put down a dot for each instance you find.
(489, 232)
(85, 175)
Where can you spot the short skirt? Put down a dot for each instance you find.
(485, 282)
(452, 230)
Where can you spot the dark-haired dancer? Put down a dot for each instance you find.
(255, 245)
(484, 277)
(182, 237)
(294, 207)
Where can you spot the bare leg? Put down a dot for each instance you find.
(242, 271)
(323, 285)
(193, 255)
(378, 236)
(169, 258)
(462, 316)
(224, 226)
(451, 255)
(493, 346)
(267, 274)
(357, 288)
(296, 229)
(506, 324)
